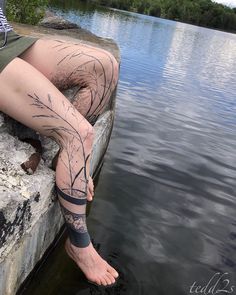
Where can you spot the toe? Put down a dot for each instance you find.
(108, 280)
(113, 272)
(95, 280)
(89, 196)
(103, 281)
(111, 278)
(98, 282)
(91, 185)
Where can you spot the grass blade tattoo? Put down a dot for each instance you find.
(71, 143)
(92, 74)
(70, 147)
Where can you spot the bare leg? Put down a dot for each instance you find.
(67, 64)
(33, 100)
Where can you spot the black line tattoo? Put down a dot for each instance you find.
(70, 147)
(91, 77)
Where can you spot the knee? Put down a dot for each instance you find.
(111, 67)
(78, 135)
(87, 135)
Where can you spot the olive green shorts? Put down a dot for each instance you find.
(16, 45)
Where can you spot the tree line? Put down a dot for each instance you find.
(198, 12)
(25, 11)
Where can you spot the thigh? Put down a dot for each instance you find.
(67, 64)
(90, 71)
(29, 97)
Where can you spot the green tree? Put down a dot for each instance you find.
(27, 11)
(199, 12)
(155, 10)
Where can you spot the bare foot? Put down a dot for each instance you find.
(95, 268)
(90, 190)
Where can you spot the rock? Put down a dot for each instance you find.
(81, 35)
(58, 23)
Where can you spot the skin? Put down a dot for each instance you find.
(30, 92)
(90, 192)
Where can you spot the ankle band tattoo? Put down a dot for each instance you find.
(77, 228)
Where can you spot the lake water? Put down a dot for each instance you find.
(164, 212)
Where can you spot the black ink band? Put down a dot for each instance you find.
(77, 228)
(80, 240)
(70, 199)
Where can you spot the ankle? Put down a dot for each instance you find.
(76, 248)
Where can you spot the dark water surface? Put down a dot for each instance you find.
(164, 212)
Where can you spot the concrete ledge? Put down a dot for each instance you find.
(81, 35)
(30, 215)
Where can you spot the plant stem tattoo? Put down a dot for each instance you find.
(71, 144)
(96, 82)
(64, 129)
(96, 79)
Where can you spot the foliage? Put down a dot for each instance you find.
(26, 11)
(198, 12)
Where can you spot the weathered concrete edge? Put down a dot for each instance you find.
(18, 264)
(13, 271)
(81, 35)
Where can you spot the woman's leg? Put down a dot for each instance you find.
(67, 65)
(29, 97)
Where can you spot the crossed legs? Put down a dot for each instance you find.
(27, 94)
